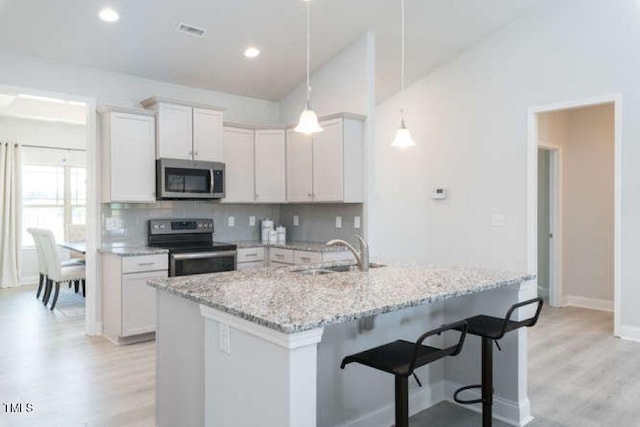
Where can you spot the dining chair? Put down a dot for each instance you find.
(76, 233)
(56, 272)
(42, 267)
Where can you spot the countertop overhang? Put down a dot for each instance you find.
(287, 301)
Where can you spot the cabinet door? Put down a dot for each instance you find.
(139, 303)
(175, 131)
(328, 163)
(238, 158)
(299, 167)
(132, 152)
(207, 135)
(270, 166)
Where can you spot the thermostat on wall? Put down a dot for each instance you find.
(439, 194)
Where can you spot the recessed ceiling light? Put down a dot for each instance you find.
(251, 52)
(108, 15)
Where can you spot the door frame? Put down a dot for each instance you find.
(532, 189)
(93, 319)
(556, 289)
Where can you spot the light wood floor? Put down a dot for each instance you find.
(579, 374)
(71, 379)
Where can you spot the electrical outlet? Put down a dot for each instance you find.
(225, 340)
(338, 222)
(252, 221)
(296, 220)
(231, 221)
(356, 222)
(497, 220)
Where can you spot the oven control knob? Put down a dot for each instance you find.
(162, 226)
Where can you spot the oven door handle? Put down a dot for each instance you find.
(202, 255)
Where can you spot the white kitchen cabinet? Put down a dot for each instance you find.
(328, 162)
(128, 303)
(299, 167)
(175, 132)
(187, 131)
(207, 135)
(128, 155)
(270, 181)
(281, 257)
(307, 257)
(239, 162)
(328, 166)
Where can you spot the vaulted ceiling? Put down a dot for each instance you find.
(145, 43)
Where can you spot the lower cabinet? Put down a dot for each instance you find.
(287, 257)
(250, 258)
(129, 304)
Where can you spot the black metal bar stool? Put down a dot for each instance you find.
(401, 358)
(491, 329)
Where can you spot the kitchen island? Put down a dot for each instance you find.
(263, 347)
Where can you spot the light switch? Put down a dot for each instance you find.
(296, 220)
(498, 220)
(225, 340)
(338, 222)
(356, 222)
(232, 221)
(252, 221)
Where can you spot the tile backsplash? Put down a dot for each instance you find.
(132, 219)
(317, 222)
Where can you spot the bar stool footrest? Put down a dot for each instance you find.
(466, 401)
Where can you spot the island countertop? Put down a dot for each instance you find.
(288, 301)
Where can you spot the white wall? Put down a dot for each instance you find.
(469, 119)
(122, 89)
(340, 85)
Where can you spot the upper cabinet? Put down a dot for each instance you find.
(207, 135)
(328, 166)
(128, 155)
(270, 168)
(255, 165)
(239, 165)
(187, 132)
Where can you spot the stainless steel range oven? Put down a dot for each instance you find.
(191, 246)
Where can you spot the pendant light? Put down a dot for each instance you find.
(403, 136)
(308, 123)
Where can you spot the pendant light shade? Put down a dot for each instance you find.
(308, 123)
(403, 136)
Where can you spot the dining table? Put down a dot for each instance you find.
(80, 247)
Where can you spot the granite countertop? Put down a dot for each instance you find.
(288, 301)
(300, 246)
(131, 250)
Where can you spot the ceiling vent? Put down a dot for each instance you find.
(191, 30)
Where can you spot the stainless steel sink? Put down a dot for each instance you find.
(333, 269)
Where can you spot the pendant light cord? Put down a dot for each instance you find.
(402, 64)
(308, 50)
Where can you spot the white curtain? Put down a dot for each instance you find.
(11, 211)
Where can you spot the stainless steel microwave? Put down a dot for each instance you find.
(189, 179)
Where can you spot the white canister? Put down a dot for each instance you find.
(282, 235)
(265, 235)
(273, 237)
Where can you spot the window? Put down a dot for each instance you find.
(53, 197)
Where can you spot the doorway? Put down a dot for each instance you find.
(574, 201)
(56, 134)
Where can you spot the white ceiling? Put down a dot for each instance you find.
(144, 42)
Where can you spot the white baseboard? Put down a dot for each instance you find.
(507, 411)
(419, 400)
(590, 303)
(631, 333)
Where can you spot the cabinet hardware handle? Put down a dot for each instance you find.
(279, 255)
(145, 263)
(305, 258)
(251, 255)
